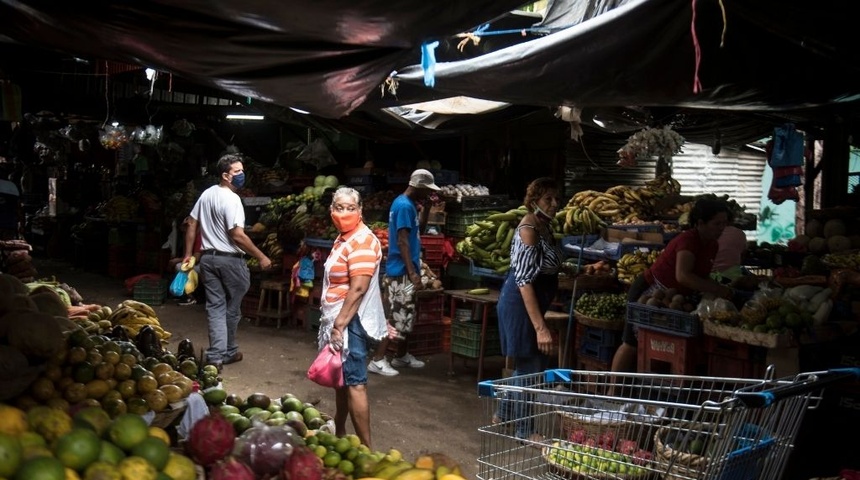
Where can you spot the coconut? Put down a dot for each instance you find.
(818, 245)
(838, 243)
(834, 227)
(814, 228)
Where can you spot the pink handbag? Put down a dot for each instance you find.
(327, 368)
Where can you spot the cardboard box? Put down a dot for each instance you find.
(628, 237)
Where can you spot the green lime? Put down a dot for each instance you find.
(320, 451)
(342, 445)
(346, 467)
(331, 459)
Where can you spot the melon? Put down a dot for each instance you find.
(834, 227)
(814, 228)
(802, 240)
(330, 181)
(319, 181)
(838, 244)
(817, 245)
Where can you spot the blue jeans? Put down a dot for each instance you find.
(226, 280)
(355, 362)
(518, 405)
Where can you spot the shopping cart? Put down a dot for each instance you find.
(569, 424)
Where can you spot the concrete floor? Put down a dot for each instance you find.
(419, 411)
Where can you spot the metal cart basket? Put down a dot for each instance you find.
(569, 424)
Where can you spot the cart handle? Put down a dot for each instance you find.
(815, 381)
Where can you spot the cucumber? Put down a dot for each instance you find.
(478, 291)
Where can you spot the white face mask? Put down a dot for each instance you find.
(540, 211)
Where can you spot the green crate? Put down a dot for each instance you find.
(150, 292)
(466, 339)
(457, 222)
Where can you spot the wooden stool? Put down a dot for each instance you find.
(279, 288)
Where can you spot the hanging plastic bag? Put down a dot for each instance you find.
(327, 368)
(177, 287)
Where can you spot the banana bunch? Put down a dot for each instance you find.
(133, 315)
(632, 264)
(299, 221)
(488, 241)
(96, 322)
(663, 185)
(607, 206)
(120, 207)
(272, 247)
(577, 220)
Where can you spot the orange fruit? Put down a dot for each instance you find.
(160, 434)
(121, 371)
(127, 388)
(153, 450)
(71, 474)
(94, 418)
(104, 370)
(160, 368)
(139, 371)
(128, 359)
(147, 384)
(58, 403)
(97, 388)
(115, 407)
(111, 357)
(137, 405)
(180, 467)
(64, 382)
(94, 356)
(156, 400)
(83, 372)
(42, 388)
(172, 392)
(136, 468)
(78, 448)
(102, 471)
(10, 455)
(13, 421)
(53, 372)
(112, 383)
(164, 379)
(111, 395)
(185, 385)
(76, 355)
(75, 392)
(42, 468)
(127, 430)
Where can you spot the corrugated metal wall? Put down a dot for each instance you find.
(591, 165)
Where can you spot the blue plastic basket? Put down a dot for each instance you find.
(665, 320)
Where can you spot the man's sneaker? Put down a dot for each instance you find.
(381, 367)
(407, 361)
(188, 301)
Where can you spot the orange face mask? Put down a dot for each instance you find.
(345, 222)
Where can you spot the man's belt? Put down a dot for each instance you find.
(222, 254)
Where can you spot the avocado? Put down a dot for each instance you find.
(234, 400)
(258, 400)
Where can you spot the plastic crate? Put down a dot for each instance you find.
(477, 271)
(426, 339)
(457, 222)
(445, 177)
(664, 320)
(596, 351)
(250, 303)
(466, 340)
(474, 203)
(600, 336)
(429, 309)
(150, 292)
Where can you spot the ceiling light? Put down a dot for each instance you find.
(299, 110)
(756, 147)
(237, 116)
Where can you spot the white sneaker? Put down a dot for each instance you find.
(407, 361)
(381, 367)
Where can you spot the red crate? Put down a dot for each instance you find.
(426, 339)
(249, 306)
(429, 310)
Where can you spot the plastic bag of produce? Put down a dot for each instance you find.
(177, 286)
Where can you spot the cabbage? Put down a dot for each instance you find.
(319, 181)
(330, 181)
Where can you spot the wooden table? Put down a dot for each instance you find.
(558, 321)
(485, 302)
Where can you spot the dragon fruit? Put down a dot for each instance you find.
(230, 468)
(303, 464)
(210, 439)
(627, 447)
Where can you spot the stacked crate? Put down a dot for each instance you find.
(434, 251)
(428, 331)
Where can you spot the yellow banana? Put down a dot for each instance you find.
(139, 306)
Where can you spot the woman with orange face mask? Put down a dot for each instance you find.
(351, 308)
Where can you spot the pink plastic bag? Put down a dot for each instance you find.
(327, 368)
